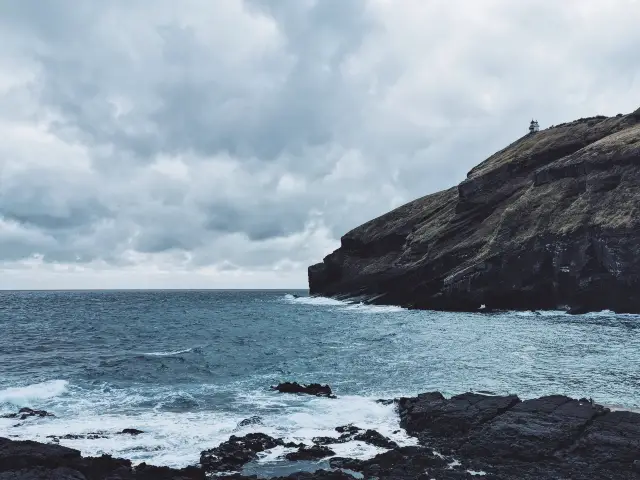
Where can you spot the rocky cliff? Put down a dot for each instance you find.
(551, 221)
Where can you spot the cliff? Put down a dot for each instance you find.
(551, 221)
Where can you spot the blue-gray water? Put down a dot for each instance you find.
(187, 366)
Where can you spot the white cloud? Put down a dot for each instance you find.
(230, 143)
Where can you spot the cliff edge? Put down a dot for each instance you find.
(551, 221)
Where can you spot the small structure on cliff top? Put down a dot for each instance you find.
(533, 126)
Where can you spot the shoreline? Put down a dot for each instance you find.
(502, 437)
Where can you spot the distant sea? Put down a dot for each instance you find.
(187, 366)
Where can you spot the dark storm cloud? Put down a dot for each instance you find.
(248, 136)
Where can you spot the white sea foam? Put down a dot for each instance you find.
(315, 300)
(347, 305)
(177, 438)
(539, 313)
(362, 307)
(26, 395)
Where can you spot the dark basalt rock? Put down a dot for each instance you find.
(311, 389)
(237, 451)
(73, 436)
(26, 460)
(315, 452)
(351, 432)
(350, 429)
(548, 222)
(399, 464)
(255, 420)
(376, 439)
(26, 412)
(549, 437)
(131, 431)
(446, 422)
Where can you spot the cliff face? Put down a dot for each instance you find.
(551, 221)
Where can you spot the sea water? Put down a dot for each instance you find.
(187, 367)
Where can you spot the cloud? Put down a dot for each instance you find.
(232, 143)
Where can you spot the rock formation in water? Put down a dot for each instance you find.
(552, 221)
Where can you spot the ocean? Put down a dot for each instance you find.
(186, 367)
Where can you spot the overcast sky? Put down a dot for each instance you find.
(229, 143)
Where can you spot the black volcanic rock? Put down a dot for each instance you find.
(376, 439)
(544, 438)
(237, 451)
(27, 412)
(551, 221)
(27, 460)
(314, 452)
(310, 389)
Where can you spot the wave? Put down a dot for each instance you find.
(169, 354)
(314, 300)
(539, 313)
(346, 304)
(176, 431)
(363, 307)
(23, 396)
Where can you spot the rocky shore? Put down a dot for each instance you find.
(549, 222)
(496, 437)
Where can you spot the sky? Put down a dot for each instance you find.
(231, 143)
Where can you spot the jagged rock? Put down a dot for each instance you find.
(401, 463)
(255, 420)
(548, 222)
(311, 389)
(26, 412)
(73, 436)
(545, 438)
(235, 452)
(314, 452)
(131, 431)
(532, 430)
(376, 439)
(445, 422)
(350, 429)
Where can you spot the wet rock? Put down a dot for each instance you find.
(376, 439)
(131, 431)
(349, 429)
(73, 436)
(151, 472)
(445, 422)
(255, 420)
(310, 389)
(26, 412)
(400, 463)
(544, 438)
(315, 452)
(326, 440)
(237, 451)
(531, 430)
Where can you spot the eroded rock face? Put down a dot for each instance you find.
(550, 221)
